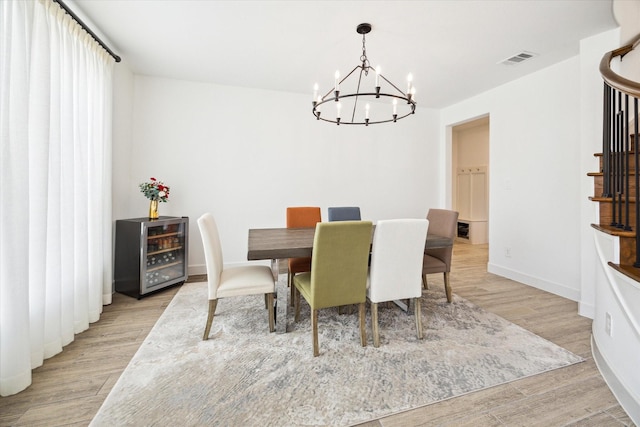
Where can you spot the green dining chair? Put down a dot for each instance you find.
(339, 264)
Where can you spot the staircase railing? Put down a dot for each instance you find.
(619, 144)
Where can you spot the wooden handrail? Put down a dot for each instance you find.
(614, 80)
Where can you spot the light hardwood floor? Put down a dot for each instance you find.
(69, 389)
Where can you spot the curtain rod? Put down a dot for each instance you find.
(87, 29)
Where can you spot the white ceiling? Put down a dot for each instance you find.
(452, 48)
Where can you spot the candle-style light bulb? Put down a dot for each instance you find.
(337, 85)
(413, 93)
(395, 106)
(378, 76)
(366, 111)
(409, 81)
(338, 108)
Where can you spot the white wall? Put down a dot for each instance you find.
(245, 155)
(592, 50)
(122, 138)
(535, 177)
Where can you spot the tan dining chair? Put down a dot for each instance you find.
(338, 273)
(396, 263)
(233, 281)
(444, 223)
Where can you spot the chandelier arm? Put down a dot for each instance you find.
(332, 90)
(405, 95)
(355, 103)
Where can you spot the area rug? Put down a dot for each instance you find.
(245, 376)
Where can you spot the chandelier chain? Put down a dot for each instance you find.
(363, 58)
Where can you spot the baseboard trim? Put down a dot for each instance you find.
(536, 282)
(626, 399)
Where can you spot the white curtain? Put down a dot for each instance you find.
(55, 185)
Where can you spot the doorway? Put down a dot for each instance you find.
(470, 180)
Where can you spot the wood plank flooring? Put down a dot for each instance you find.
(69, 388)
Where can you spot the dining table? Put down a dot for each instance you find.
(280, 244)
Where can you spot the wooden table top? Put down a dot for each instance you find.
(281, 243)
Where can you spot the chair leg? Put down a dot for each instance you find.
(418, 315)
(272, 323)
(374, 324)
(447, 286)
(363, 330)
(296, 300)
(424, 281)
(314, 327)
(291, 285)
(213, 303)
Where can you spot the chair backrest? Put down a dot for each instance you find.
(212, 252)
(303, 216)
(396, 259)
(344, 213)
(442, 222)
(339, 263)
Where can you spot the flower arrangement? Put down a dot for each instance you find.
(155, 190)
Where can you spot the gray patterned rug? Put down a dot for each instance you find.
(245, 376)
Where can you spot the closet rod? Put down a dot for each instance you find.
(87, 29)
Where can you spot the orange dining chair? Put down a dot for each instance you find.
(301, 217)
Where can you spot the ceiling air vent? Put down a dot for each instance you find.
(518, 58)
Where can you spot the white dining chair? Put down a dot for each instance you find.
(234, 281)
(396, 264)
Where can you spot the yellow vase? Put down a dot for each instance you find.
(153, 209)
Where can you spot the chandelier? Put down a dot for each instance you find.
(382, 101)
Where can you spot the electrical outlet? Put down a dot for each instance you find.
(608, 324)
(507, 252)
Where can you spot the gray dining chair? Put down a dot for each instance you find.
(344, 213)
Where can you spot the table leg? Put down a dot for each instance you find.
(282, 298)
